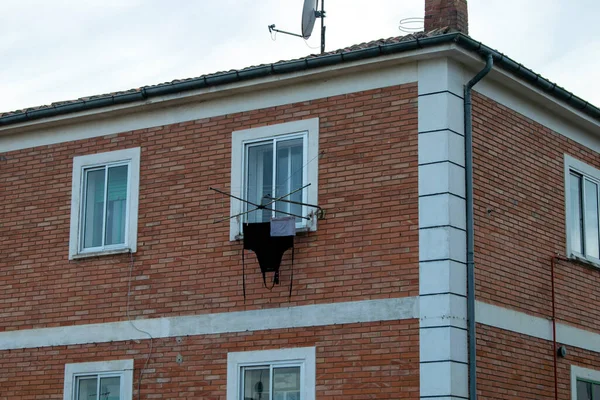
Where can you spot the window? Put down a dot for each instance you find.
(105, 380)
(585, 383)
(588, 390)
(286, 374)
(272, 162)
(583, 206)
(104, 203)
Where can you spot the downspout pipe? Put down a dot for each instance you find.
(472, 341)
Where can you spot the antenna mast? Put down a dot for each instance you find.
(309, 15)
(322, 16)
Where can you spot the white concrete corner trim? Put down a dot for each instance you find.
(229, 322)
(442, 239)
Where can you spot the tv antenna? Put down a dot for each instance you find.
(411, 24)
(309, 14)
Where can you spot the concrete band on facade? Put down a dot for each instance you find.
(229, 322)
(299, 317)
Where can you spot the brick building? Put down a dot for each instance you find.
(122, 278)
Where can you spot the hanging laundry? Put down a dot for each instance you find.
(284, 226)
(269, 250)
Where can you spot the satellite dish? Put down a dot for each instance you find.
(309, 15)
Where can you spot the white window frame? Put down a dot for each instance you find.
(305, 357)
(310, 129)
(580, 373)
(122, 368)
(572, 164)
(132, 158)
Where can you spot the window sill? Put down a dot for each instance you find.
(302, 230)
(582, 260)
(100, 253)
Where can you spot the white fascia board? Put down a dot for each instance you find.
(229, 90)
(80, 128)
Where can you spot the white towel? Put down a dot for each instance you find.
(284, 226)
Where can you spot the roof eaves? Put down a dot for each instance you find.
(529, 76)
(353, 53)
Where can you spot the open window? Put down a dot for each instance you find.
(582, 210)
(104, 203)
(104, 380)
(286, 374)
(275, 162)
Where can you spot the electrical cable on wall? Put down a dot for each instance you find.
(131, 263)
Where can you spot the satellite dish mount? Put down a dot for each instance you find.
(309, 15)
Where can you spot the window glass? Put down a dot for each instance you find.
(93, 208)
(591, 219)
(272, 174)
(583, 214)
(271, 383)
(105, 206)
(596, 391)
(110, 388)
(256, 383)
(116, 205)
(286, 383)
(259, 183)
(86, 388)
(289, 176)
(576, 215)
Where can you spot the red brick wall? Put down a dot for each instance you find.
(377, 360)
(516, 366)
(513, 366)
(446, 13)
(520, 217)
(366, 248)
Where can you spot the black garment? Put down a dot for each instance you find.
(269, 249)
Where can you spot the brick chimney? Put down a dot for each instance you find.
(446, 13)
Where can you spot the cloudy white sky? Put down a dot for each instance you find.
(65, 49)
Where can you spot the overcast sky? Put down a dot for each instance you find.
(52, 50)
